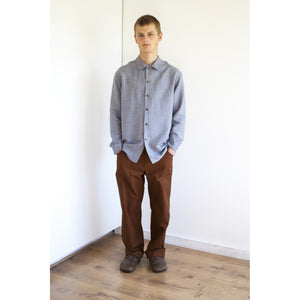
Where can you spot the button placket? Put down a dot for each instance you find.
(147, 98)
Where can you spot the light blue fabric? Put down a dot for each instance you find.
(147, 109)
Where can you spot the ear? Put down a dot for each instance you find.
(160, 36)
(135, 38)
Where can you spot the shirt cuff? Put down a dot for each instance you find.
(171, 144)
(116, 147)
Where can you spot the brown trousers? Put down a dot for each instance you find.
(130, 179)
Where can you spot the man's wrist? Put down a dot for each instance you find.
(171, 151)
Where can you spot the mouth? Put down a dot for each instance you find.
(146, 45)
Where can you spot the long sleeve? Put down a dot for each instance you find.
(147, 109)
(178, 119)
(115, 116)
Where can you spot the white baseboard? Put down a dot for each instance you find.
(197, 245)
(80, 249)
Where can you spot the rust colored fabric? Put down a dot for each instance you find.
(131, 179)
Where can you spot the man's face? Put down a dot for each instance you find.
(147, 38)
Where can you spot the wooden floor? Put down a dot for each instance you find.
(191, 274)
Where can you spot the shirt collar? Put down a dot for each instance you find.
(156, 65)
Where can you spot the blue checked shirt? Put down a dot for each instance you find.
(147, 109)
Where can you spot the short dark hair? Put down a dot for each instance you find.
(146, 20)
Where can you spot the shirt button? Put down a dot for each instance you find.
(146, 124)
(145, 139)
(146, 109)
(147, 96)
(147, 81)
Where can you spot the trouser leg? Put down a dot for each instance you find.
(130, 179)
(159, 178)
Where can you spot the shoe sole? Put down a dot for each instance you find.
(159, 271)
(127, 271)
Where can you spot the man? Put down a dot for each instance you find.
(147, 117)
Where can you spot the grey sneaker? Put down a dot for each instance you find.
(158, 264)
(129, 263)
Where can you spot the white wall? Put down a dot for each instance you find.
(85, 52)
(209, 42)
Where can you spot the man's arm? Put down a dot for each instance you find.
(178, 120)
(115, 116)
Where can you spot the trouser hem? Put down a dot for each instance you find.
(139, 254)
(155, 253)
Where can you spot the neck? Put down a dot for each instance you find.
(148, 58)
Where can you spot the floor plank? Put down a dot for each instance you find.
(191, 274)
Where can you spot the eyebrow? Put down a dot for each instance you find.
(143, 33)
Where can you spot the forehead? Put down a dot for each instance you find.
(146, 28)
